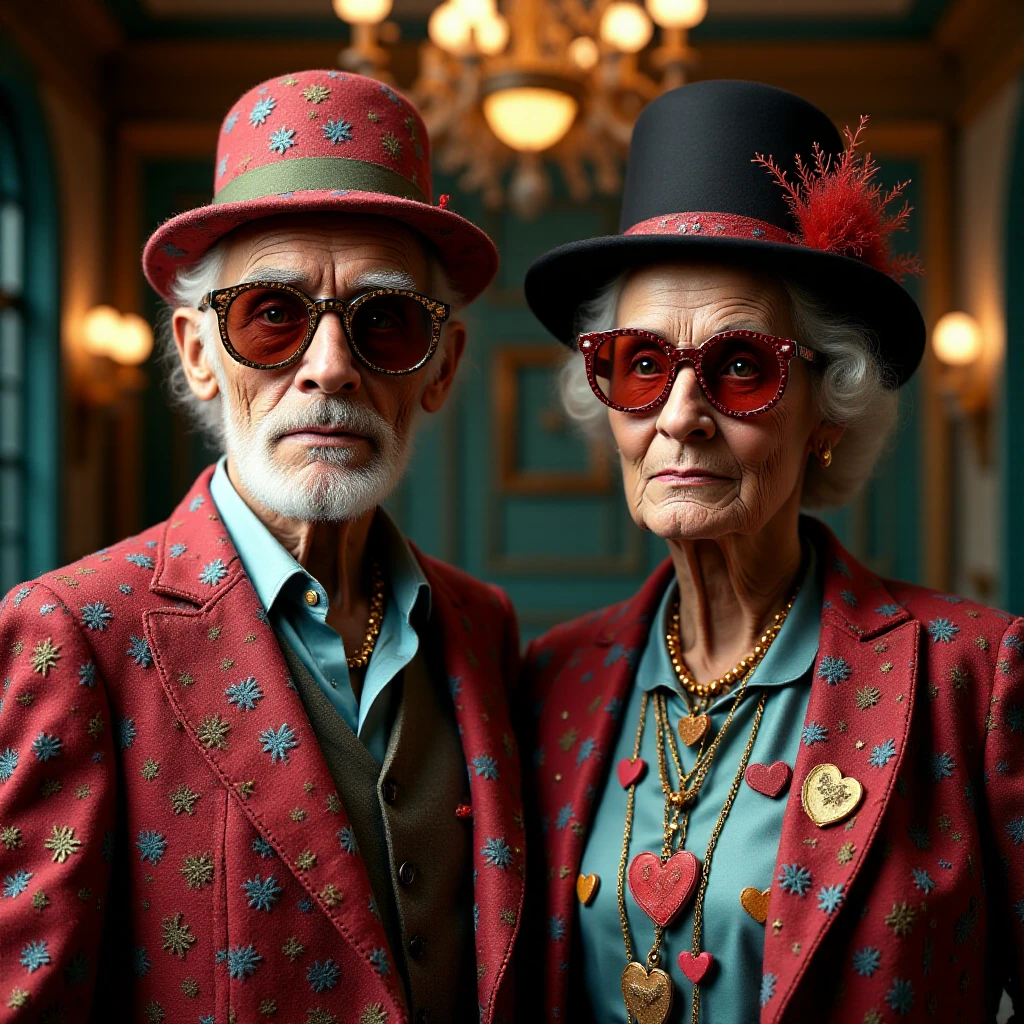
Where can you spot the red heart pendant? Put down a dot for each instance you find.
(695, 967)
(661, 890)
(631, 771)
(771, 780)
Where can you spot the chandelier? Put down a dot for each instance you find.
(505, 93)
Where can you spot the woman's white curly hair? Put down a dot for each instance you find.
(850, 390)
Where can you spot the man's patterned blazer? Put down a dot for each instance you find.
(912, 909)
(172, 847)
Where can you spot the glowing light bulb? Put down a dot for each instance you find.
(476, 12)
(956, 339)
(626, 26)
(583, 52)
(491, 35)
(677, 13)
(528, 118)
(449, 28)
(362, 12)
(133, 342)
(99, 329)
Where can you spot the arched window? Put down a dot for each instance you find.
(30, 378)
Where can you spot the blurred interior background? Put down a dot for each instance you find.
(109, 113)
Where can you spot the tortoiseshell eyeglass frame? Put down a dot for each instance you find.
(785, 351)
(220, 302)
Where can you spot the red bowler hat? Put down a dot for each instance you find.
(322, 141)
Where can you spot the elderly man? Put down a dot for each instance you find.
(257, 762)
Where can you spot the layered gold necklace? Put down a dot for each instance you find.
(362, 657)
(662, 885)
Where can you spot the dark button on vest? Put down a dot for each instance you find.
(417, 851)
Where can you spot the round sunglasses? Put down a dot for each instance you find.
(267, 325)
(741, 373)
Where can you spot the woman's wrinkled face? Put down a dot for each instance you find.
(691, 472)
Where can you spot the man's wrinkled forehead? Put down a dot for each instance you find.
(328, 255)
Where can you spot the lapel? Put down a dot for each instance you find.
(863, 694)
(471, 642)
(266, 756)
(590, 714)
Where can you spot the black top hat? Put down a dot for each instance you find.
(694, 190)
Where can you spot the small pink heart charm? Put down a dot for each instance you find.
(771, 780)
(631, 771)
(661, 890)
(695, 967)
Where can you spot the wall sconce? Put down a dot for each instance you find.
(119, 343)
(965, 377)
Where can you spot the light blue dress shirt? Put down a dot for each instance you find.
(747, 846)
(281, 583)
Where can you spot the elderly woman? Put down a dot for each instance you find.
(770, 784)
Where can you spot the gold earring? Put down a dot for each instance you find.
(825, 454)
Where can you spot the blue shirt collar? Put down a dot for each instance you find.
(270, 567)
(789, 658)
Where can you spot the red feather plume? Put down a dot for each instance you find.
(840, 208)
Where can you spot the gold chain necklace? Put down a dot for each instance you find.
(362, 657)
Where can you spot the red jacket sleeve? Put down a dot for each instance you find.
(57, 804)
(1004, 791)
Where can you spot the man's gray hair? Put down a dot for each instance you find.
(850, 390)
(190, 285)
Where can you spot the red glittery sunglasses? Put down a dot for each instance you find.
(742, 373)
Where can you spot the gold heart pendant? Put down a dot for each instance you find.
(828, 796)
(755, 903)
(693, 728)
(586, 888)
(648, 996)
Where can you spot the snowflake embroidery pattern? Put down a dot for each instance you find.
(316, 93)
(230, 122)
(347, 839)
(485, 767)
(277, 742)
(242, 961)
(213, 572)
(245, 694)
(197, 502)
(866, 961)
(942, 631)
(813, 733)
(768, 981)
(882, 754)
(923, 880)
(942, 766)
(282, 140)
(497, 853)
(152, 846)
(262, 847)
(379, 959)
(901, 919)
(900, 997)
(888, 610)
(96, 615)
(16, 884)
(1015, 830)
(262, 893)
(126, 733)
(142, 561)
(34, 955)
(124, 588)
(46, 747)
(586, 749)
(794, 879)
(834, 670)
(87, 674)
(8, 762)
(337, 131)
(62, 843)
(556, 928)
(45, 656)
(829, 898)
(257, 116)
(197, 870)
(222, 167)
(183, 800)
(177, 550)
(177, 935)
(868, 697)
(213, 732)
(322, 976)
(392, 145)
(139, 652)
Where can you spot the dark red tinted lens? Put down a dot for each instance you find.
(631, 370)
(741, 373)
(267, 325)
(393, 332)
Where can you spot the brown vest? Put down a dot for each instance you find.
(417, 853)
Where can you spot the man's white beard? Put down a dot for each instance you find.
(336, 490)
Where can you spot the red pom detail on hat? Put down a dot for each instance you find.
(841, 209)
(442, 201)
